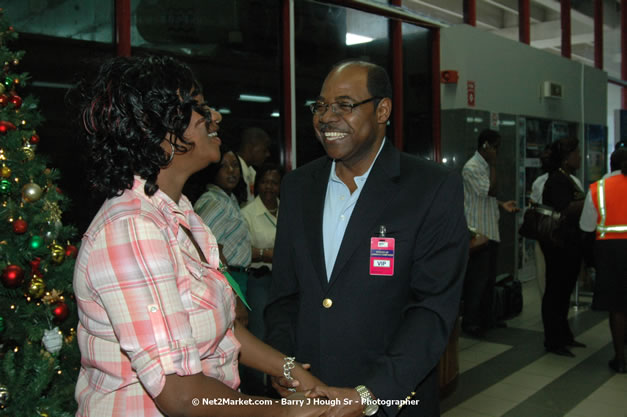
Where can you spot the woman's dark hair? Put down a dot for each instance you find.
(127, 111)
(265, 168)
(618, 160)
(559, 151)
(197, 183)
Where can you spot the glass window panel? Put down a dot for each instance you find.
(233, 48)
(320, 41)
(417, 91)
(90, 20)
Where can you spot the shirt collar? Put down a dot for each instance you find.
(175, 214)
(361, 179)
(481, 160)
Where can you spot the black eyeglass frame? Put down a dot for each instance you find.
(351, 106)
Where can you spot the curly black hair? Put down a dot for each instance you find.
(131, 106)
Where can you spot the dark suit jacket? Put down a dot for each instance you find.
(385, 332)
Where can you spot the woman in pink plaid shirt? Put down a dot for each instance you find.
(157, 331)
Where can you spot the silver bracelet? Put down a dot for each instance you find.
(288, 365)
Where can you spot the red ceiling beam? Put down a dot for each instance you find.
(623, 47)
(397, 78)
(123, 27)
(598, 34)
(566, 32)
(470, 12)
(524, 21)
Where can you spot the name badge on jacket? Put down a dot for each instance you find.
(382, 256)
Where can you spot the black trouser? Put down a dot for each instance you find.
(479, 287)
(562, 270)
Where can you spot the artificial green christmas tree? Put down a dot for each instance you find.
(39, 357)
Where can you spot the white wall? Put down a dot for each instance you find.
(508, 76)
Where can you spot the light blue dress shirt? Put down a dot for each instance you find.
(338, 208)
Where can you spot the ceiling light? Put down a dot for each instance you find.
(354, 39)
(275, 114)
(224, 110)
(254, 98)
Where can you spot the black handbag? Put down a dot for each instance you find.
(542, 223)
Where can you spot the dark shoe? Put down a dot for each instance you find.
(617, 366)
(562, 351)
(575, 343)
(500, 325)
(474, 331)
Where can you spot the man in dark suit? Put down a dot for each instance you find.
(376, 327)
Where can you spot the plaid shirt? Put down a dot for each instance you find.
(148, 307)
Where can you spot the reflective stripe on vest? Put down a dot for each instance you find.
(601, 227)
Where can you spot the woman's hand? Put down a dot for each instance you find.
(268, 253)
(303, 380)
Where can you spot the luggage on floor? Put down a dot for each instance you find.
(507, 301)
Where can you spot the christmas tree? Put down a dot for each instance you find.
(39, 356)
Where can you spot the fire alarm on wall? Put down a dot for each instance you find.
(449, 77)
(551, 89)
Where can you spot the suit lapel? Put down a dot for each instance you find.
(313, 209)
(380, 188)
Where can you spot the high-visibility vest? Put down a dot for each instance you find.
(610, 199)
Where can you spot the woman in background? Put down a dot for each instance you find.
(219, 208)
(563, 261)
(156, 315)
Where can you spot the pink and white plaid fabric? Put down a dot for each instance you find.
(148, 306)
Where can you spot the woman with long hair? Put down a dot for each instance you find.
(157, 332)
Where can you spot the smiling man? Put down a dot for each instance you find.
(369, 257)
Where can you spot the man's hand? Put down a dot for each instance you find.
(303, 380)
(349, 401)
(509, 206)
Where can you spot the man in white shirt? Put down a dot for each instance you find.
(253, 151)
(482, 214)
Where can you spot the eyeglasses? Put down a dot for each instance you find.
(340, 108)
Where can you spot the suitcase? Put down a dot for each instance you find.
(507, 300)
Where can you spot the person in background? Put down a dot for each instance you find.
(252, 152)
(156, 314)
(261, 217)
(537, 188)
(337, 301)
(563, 261)
(605, 211)
(219, 208)
(482, 214)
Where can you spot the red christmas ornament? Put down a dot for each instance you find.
(60, 311)
(6, 126)
(12, 276)
(20, 226)
(34, 140)
(34, 267)
(4, 100)
(71, 251)
(17, 101)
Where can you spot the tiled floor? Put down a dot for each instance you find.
(508, 373)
